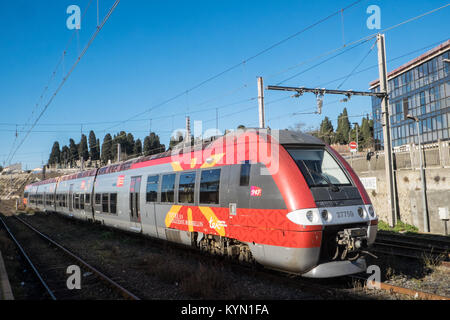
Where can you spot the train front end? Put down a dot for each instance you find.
(323, 193)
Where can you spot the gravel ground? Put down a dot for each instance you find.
(153, 269)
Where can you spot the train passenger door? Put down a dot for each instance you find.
(149, 200)
(135, 208)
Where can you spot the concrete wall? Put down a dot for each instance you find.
(409, 184)
(409, 189)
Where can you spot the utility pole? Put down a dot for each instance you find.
(261, 102)
(388, 158)
(426, 224)
(187, 140)
(383, 95)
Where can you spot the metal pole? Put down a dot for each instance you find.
(118, 152)
(426, 226)
(261, 102)
(392, 205)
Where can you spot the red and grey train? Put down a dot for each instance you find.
(279, 198)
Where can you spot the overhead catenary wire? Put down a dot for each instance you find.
(67, 76)
(200, 84)
(412, 19)
(52, 77)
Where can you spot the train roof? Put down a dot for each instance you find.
(284, 137)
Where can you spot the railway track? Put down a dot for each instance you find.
(49, 262)
(332, 288)
(412, 246)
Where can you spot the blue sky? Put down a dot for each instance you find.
(150, 51)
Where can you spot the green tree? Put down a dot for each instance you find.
(94, 146)
(55, 155)
(326, 131)
(107, 148)
(137, 147)
(65, 155)
(83, 148)
(174, 140)
(129, 146)
(73, 151)
(343, 128)
(152, 144)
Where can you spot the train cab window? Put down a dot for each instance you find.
(152, 188)
(98, 199)
(209, 186)
(105, 202)
(113, 203)
(318, 167)
(186, 188)
(245, 174)
(168, 188)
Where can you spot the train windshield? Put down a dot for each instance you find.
(318, 167)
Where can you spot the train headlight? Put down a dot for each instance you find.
(371, 211)
(326, 215)
(361, 212)
(310, 215)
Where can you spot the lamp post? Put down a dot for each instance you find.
(426, 227)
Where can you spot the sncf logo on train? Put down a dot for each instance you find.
(255, 191)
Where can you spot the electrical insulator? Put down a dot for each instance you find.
(319, 103)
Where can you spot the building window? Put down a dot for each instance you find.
(209, 186)
(168, 188)
(152, 188)
(186, 188)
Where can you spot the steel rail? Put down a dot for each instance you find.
(27, 258)
(127, 294)
(406, 291)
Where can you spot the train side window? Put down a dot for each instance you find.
(77, 201)
(209, 186)
(87, 198)
(186, 188)
(152, 188)
(113, 202)
(82, 201)
(168, 188)
(105, 202)
(245, 174)
(98, 199)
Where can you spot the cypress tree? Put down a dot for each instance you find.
(137, 151)
(93, 146)
(83, 148)
(107, 148)
(129, 147)
(65, 155)
(55, 155)
(73, 155)
(326, 131)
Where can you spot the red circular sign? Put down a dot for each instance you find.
(353, 145)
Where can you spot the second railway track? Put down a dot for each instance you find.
(49, 261)
(412, 246)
